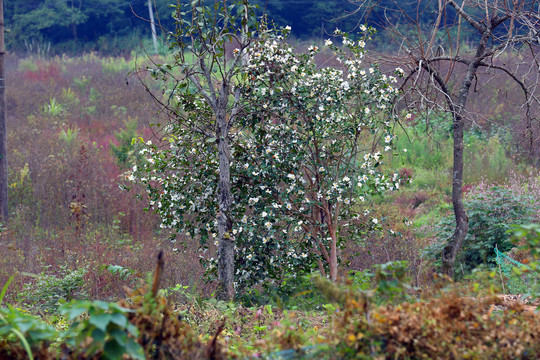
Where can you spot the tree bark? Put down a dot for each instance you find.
(225, 290)
(4, 214)
(152, 26)
(454, 244)
(333, 265)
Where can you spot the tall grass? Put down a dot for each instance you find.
(430, 153)
(66, 204)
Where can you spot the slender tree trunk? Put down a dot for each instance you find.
(225, 290)
(454, 244)
(152, 26)
(4, 214)
(74, 31)
(333, 253)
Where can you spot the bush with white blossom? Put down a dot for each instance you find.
(305, 157)
(311, 154)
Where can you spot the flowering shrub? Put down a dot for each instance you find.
(309, 159)
(303, 159)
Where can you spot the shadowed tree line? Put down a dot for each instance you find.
(116, 25)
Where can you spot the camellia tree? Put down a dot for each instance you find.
(309, 159)
(301, 154)
(188, 171)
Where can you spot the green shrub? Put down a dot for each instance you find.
(70, 98)
(53, 108)
(485, 159)
(18, 327)
(125, 152)
(106, 324)
(294, 291)
(491, 215)
(50, 291)
(20, 188)
(81, 83)
(528, 236)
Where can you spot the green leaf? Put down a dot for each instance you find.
(119, 335)
(132, 329)
(24, 325)
(134, 349)
(101, 321)
(98, 335)
(102, 304)
(74, 310)
(25, 343)
(113, 350)
(4, 289)
(119, 319)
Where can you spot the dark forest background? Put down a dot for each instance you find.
(117, 26)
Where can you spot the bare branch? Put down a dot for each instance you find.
(478, 26)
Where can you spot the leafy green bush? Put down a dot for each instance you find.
(16, 326)
(293, 291)
(20, 188)
(50, 291)
(53, 108)
(491, 215)
(529, 238)
(125, 152)
(107, 325)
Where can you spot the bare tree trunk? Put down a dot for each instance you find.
(462, 221)
(4, 214)
(496, 22)
(152, 26)
(74, 31)
(225, 290)
(333, 253)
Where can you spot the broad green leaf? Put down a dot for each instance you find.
(101, 321)
(119, 319)
(113, 350)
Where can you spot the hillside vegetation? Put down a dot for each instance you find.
(100, 261)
